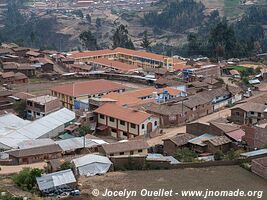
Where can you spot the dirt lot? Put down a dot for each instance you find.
(41, 87)
(215, 178)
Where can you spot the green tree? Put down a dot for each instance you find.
(20, 107)
(83, 131)
(233, 154)
(66, 165)
(185, 155)
(26, 178)
(8, 196)
(145, 42)
(121, 38)
(88, 40)
(218, 155)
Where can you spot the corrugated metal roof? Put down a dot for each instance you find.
(200, 139)
(90, 158)
(10, 122)
(38, 128)
(35, 143)
(254, 153)
(77, 143)
(160, 157)
(52, 180)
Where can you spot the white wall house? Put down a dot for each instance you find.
(124, 122)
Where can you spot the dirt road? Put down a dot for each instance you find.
(6, 170)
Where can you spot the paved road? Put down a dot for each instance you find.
(170, 132)
(5, 170)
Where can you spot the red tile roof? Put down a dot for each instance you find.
(142, 54)
(88, 87)
(125, 114)
(86, 54)
(132, 98)
(236, 135)
(114, 64)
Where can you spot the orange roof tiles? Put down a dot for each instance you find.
(88, 87)
(133, 98)
(180, 66)
(114, 64)
(142, 54)
(149, 91)
(125, 114)
(85, 54)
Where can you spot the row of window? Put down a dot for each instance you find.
(131, 152)
(133, 126)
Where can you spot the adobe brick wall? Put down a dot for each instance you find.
(169, 147)
(259, 169)
(255, 137)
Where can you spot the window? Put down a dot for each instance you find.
(122, 122)
(114, 130)
(111, 119)
(131, 152)
(102, 116)
(112, 154)
(133, 126)
(125, 134)
(259, 114)
(121, 153)
(143, 126)
(252, 113)
(155, 123)
(237, 113)
(140, 150)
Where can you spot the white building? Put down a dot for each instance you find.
(47, 127)
(125, 122)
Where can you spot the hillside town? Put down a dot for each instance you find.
(75, 115)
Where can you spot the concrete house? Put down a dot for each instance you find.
(123, 122)
(38, 107)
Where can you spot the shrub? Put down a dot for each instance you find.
(246, 166)
(66, 165)
(232, 154)
(8, 196)
(185, 155)
(26, 178)
(218, 155)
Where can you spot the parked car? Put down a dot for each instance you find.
(75, 193)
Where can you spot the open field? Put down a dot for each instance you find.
(214, 178)
(42, 87)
